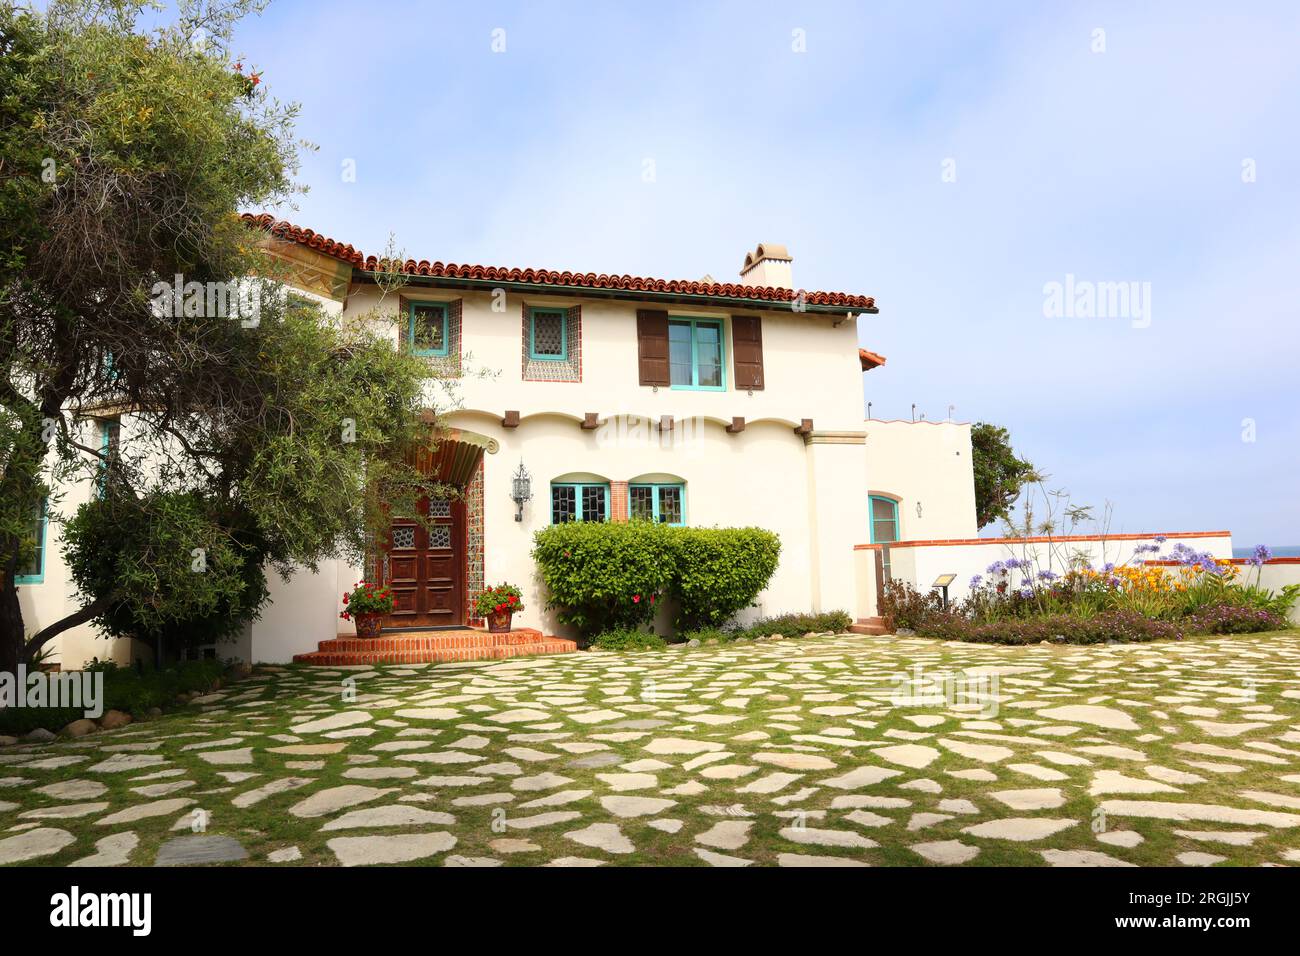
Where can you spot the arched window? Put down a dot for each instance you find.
(884, 519)
(579, 498)
(658, 498)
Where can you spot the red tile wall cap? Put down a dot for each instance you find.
(347, 253)
(870, 359)
(957, 542)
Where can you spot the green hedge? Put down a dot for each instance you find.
(125, 689)
(604, 577)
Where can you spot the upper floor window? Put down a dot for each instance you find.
(659, 503)
(579, 501)
(884, 520)
(548, 335)
(33, 570)
(110, 439)
(426, 325)
(695, 357)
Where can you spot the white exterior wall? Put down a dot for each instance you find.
(925, 463)
(1275, 575)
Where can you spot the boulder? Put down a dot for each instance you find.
(8, 741)
(39, 735)
(79, 728)
(114, 719)
(155, 711)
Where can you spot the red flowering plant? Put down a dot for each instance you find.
(498, 600)
(367, 598)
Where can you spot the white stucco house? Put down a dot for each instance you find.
(697, 402)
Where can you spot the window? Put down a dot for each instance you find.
(427, 328)
(33, 571)
(884, 520)
(659, 503)
(579, 502)
(110, 437)
(695, 357)
(548, 336)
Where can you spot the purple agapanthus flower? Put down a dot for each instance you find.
(1047, 575)
(1262, 554)
(1160, 539)
(1027, 593)
(997, 567)
(976, 581)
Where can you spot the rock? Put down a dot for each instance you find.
(907, 755)
(1048, 798)
(72, 790)
(199, 849)
(693, 642)
(39, 735)
(393, 816)
(33, 844)
(946, 852)
(1019, 829)
(727, 835)
(7, 741)
(347, 718)
(79, 728)
(258, 794)
(795, 761)
(114, 719)
(635, 806)
(155, 711)
(602, 836)
(112, 850)
(403, 848)
(805, 860)
(861, 777)
(1191, 812)
(144, 811)
(287, 855)
(338, 798)
(1081, 858)
(809, 835)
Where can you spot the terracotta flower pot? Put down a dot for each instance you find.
(499, 621)
(368, 625)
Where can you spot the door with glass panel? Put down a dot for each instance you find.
(426, 566)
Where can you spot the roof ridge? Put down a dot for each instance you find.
(283, 229)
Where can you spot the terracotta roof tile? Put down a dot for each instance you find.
(591, 280)
(870, 359)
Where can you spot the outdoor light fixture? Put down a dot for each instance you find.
(942, 582)
(521, 490)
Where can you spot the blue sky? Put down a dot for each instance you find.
(1115, 166)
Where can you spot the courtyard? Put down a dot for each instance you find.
(848, 750)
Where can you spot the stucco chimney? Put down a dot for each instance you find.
(768, 265)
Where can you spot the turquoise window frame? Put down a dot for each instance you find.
(695, 323)
(654, 498)
(39, 576)
(578, 487)
(105, 449)
(532, 334)
(871, 517)
(443, 352)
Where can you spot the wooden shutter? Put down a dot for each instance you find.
(747, 350)
(652, 346)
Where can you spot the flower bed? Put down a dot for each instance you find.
(1019, 601)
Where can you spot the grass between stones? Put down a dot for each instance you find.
(706, 728)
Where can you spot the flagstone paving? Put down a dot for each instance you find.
(816, 752)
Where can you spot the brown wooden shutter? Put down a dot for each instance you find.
(747, 350)
(652, 346)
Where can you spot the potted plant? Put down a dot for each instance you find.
(497, 605)
(366, 605)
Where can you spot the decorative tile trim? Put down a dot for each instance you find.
(474, 583)
(446, 366)
(570, 370)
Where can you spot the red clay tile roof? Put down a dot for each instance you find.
(722, 290)
(870, 360)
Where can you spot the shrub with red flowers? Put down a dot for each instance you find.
(367, 598)
(499, 599)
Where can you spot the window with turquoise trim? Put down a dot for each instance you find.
(662, 504)
(548, 335)
(574, 501)
(695, 354)
(426, 326)
(110, 437)
(884, 520)
(33, 572)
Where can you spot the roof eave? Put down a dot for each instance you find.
(631, 295)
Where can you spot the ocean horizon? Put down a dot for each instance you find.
(1279, 551)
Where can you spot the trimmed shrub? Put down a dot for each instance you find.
(1122, 626)
(628, 639)
(719, 572)
(605, 577)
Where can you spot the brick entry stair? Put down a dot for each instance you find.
(425, 647)
(869, 625)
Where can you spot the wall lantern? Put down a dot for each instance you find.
(521, 490)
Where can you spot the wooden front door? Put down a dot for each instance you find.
(426, 568)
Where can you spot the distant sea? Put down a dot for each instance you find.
(1279, 551)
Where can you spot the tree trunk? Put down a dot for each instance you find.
(11, 627)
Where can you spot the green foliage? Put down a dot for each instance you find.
(611, 576)
(999, 474)
(797, 625)
(507, 597)
(1109, 626)
(367, 598)
(168, 566)
(605, 576)
(719, 571)
(628, 639)
(903, 606)
(125, 689)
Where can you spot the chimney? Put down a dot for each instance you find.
(769, 266)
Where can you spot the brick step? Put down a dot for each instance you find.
(869, 625)
(431, 647)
